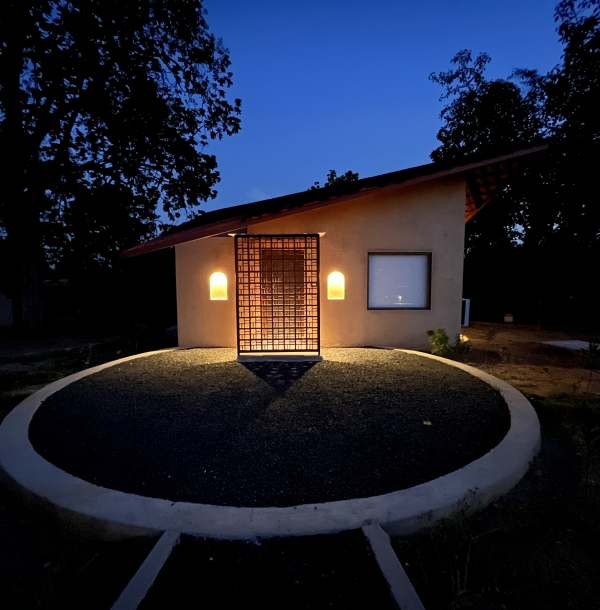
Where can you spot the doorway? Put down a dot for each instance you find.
(277, 286)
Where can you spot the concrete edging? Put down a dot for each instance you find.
(109, 513)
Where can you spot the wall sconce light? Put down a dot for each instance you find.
(336, 287)
(218, 287)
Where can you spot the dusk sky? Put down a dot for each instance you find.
(342, 84)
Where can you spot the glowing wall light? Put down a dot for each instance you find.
(218, 287)
(336, 286)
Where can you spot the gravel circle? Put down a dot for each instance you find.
(196, 426)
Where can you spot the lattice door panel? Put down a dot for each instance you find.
(277, 293)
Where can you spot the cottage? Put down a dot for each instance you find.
(378, 261)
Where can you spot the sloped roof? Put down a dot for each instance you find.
(486, 177)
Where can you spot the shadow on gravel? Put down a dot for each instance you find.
(279, 375)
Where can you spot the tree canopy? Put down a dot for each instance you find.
(537, 246)
(333, 179)
(482, 115)
(107, 108)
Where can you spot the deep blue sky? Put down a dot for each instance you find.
(342, 84)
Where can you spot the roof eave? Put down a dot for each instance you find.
(239, 221)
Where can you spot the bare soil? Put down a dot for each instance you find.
(518, 355)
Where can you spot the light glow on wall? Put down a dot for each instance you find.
(218, 287)
(336, 287)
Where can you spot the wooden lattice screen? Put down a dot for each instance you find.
(277, 293)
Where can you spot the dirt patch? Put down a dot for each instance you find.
(519, 356)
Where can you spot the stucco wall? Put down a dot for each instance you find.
(202, 322)
(428, 217)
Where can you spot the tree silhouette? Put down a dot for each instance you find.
(537, 246)
(333, 179)
(107, 108)
(482, 116)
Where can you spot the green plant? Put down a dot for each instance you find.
(440, 342)
(86, 355)
(489, 334)
(591, 357)
(441, 346)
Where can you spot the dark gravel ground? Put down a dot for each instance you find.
(196, 426)
(307, 572)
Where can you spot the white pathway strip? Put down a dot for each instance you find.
(402, 590)
(570, 344)
(135, 591)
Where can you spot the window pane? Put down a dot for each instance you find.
(398, 280)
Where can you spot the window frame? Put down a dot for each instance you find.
(396, 253)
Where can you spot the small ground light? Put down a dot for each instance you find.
(464, 338)
(218, 287)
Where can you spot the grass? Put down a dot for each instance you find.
(19, 380)
(46, 565)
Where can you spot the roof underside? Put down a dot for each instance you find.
(485, 178)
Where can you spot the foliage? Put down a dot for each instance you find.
(591, 357)
(483, 115)
(440, 342)
(489, 334)
(544, 226)
(441, 346)
(333, 179)
(107, 108)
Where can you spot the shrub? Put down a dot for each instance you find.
(440, 343)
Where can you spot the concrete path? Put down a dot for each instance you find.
(400, 586)
(140, 584)
(570, 344)
(356, 569)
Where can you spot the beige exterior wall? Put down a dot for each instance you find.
(202, 322)
(428, 217)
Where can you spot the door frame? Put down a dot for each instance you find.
(317, 305)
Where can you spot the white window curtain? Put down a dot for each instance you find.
(399, 281)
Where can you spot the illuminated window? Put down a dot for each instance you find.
(218, 287)
(335, 286)
(399, 280)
